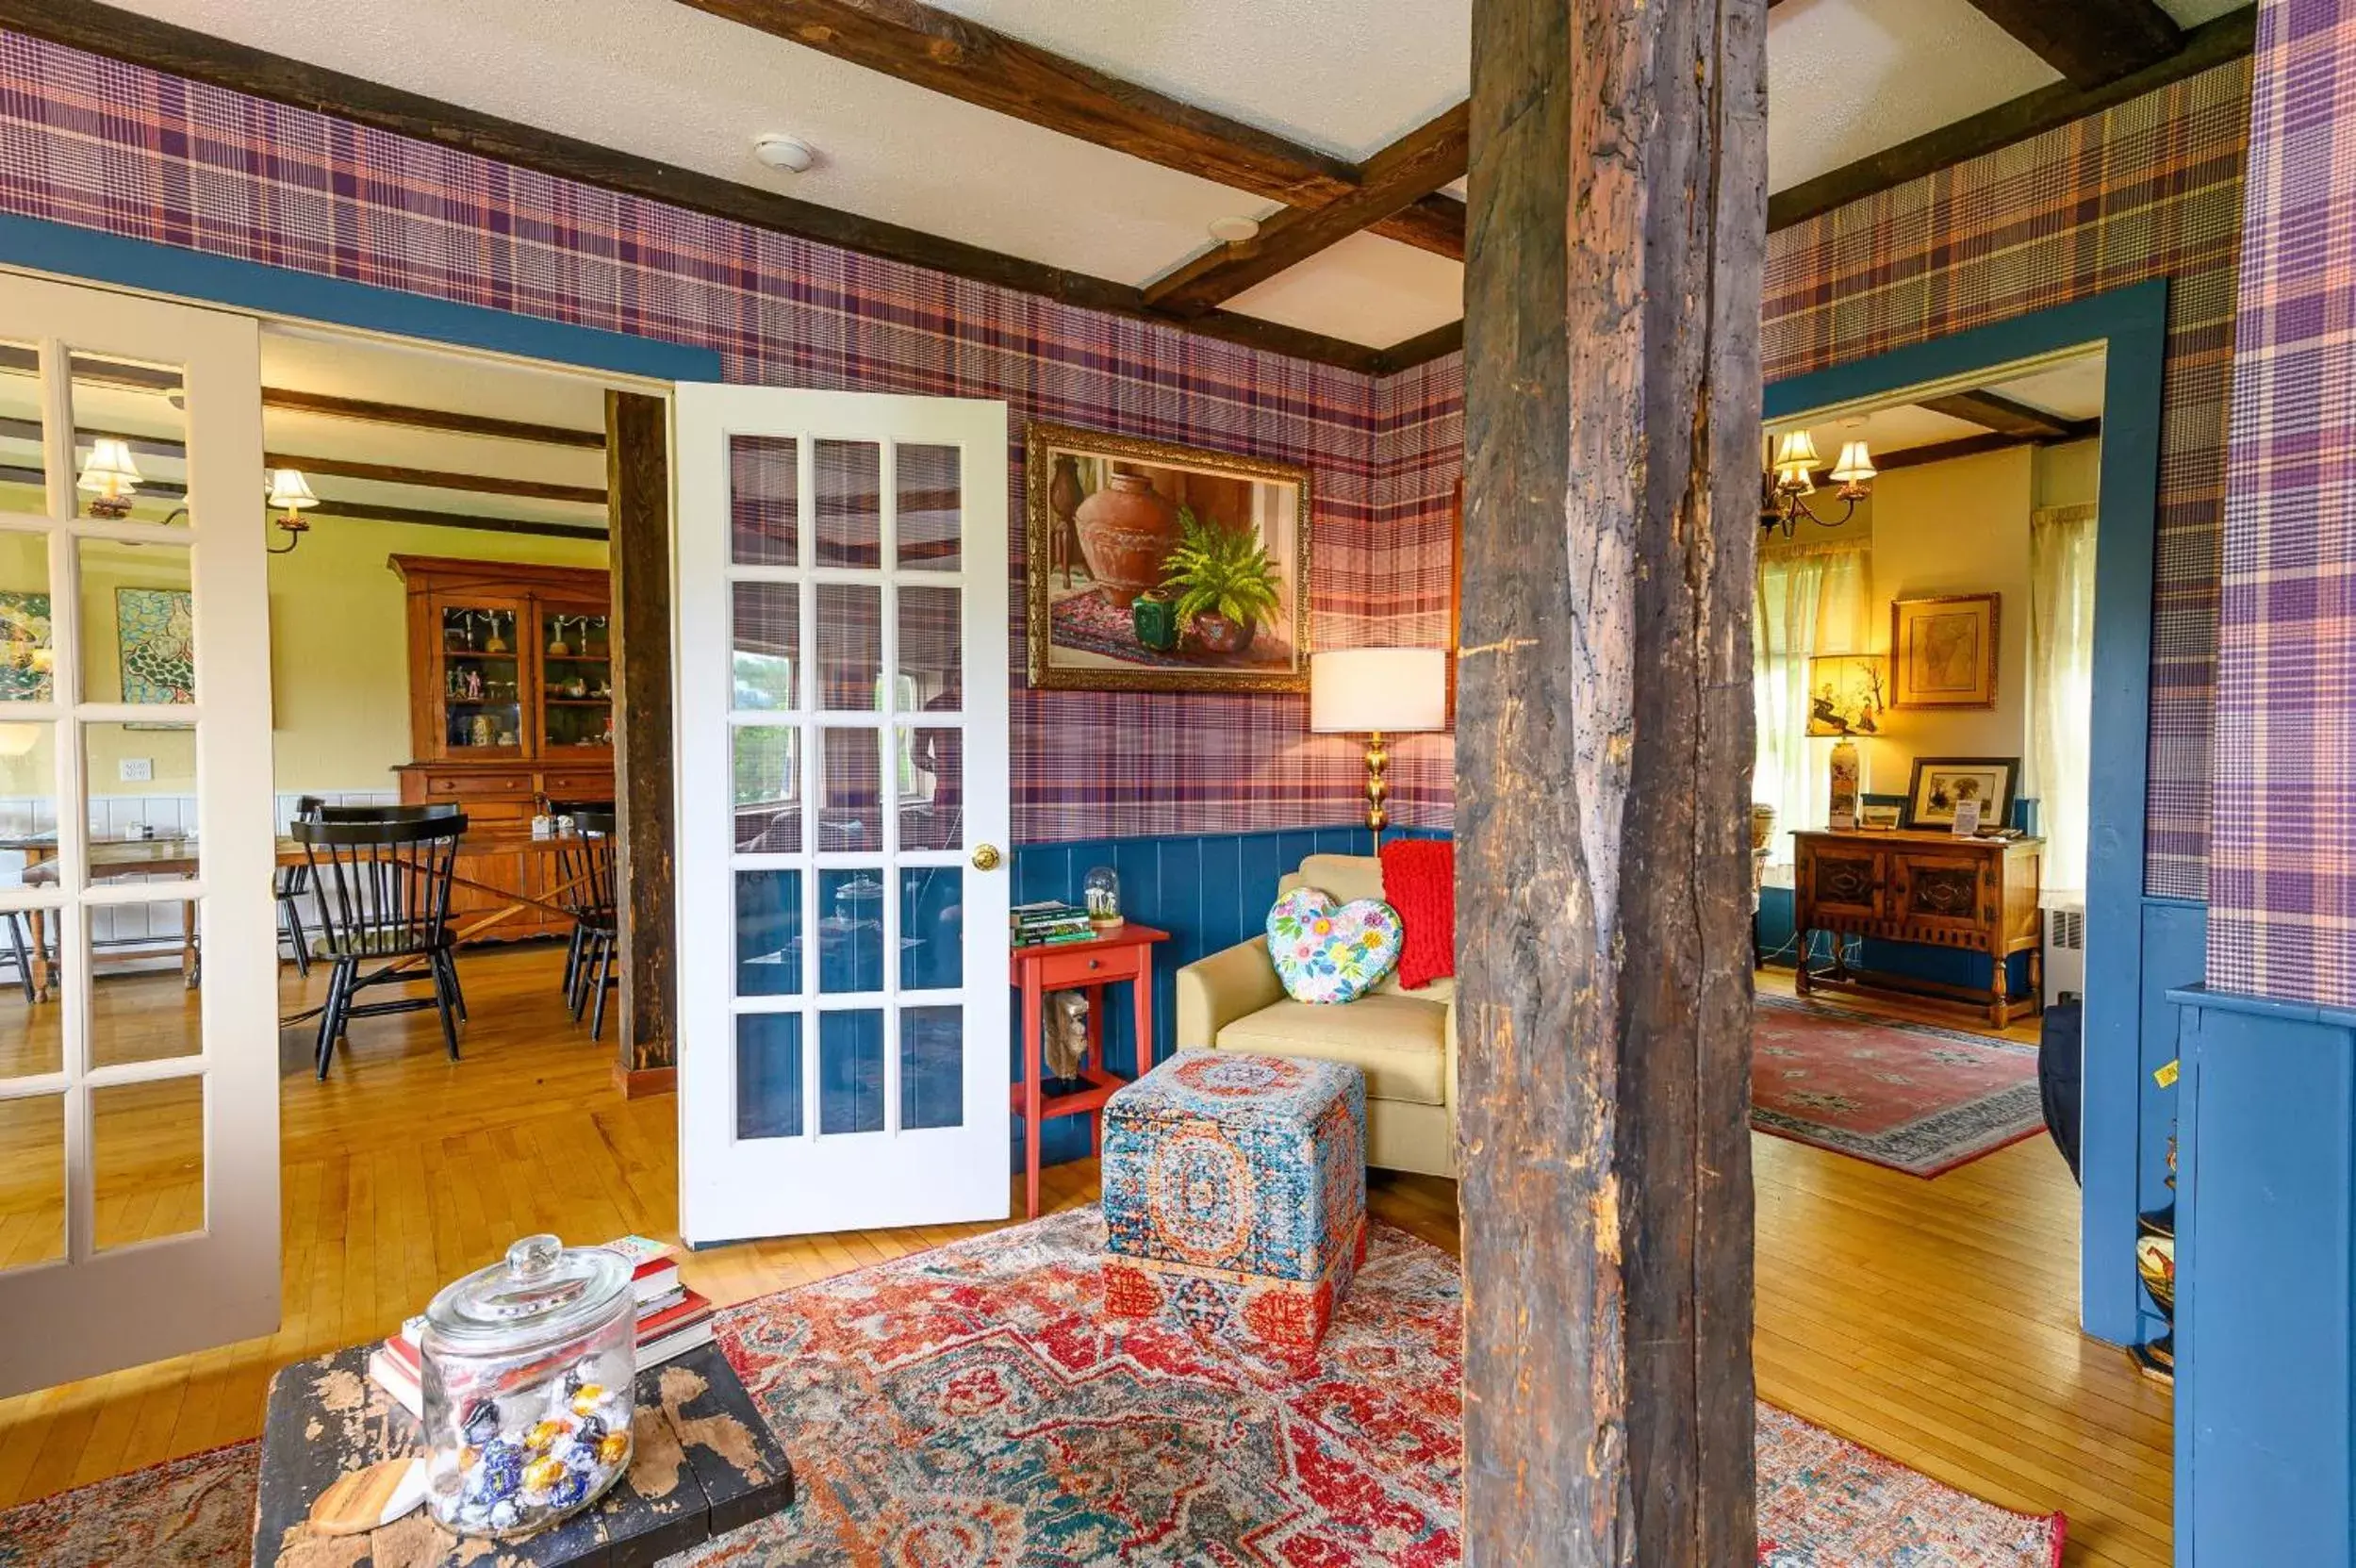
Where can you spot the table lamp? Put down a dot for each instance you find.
(1374, 692)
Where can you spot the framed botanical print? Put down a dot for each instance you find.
(1940, 784)
(1943, 651)
(1159, 568)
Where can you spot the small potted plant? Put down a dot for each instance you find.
(1223, 583)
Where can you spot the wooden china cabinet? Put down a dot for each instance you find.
(511, 704)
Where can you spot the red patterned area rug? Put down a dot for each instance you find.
(963, 1409)
(1913, 1096)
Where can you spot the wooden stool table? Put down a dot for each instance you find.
(1126, 954)
(705, 1465)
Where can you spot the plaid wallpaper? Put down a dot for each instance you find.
(2150, 188)
(2283, 885)
(89, 142)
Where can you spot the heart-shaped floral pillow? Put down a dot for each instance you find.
(1330, 952)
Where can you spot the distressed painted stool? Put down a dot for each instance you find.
(1235, 1197)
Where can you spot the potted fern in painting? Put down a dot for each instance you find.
(1221, 583)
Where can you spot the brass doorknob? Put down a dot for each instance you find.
(986, 858)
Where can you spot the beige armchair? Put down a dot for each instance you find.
(1404, 1041)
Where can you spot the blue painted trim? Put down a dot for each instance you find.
(2132, 323)
(2265, 1007)
(66, 250)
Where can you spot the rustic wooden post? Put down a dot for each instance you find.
(638, 553)
(1616, 229)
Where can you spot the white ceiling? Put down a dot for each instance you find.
(2071, 389)
(1846, 78)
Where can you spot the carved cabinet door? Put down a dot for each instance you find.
(1843, 883)
(1944, 891)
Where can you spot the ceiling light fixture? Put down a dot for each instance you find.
(1793, 478)
(788, 152)
(1234, 231)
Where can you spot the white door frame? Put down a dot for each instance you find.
(732, 1187)
(92, 1311)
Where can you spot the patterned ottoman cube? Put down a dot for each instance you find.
(1235, 1196)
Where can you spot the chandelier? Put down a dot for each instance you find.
(1792, 480)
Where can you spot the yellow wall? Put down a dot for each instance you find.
(339, 641)
(1961, 526)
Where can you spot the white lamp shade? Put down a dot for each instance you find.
(290, 491)
(1797, 448)
(1855, 465)
(108, 470)
(1395, 690)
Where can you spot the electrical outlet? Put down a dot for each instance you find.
(138, 770)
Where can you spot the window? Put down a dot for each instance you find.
(2061, 689)
(1809, 601)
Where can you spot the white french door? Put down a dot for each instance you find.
(139, 1061)
(842, 810)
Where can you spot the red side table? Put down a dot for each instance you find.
(1126, 954)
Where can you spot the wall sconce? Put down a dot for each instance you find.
(1792, 479)
(290, 493)
(109, 478)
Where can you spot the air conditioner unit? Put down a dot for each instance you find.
(2065, 950)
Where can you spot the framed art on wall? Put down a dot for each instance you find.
(1943, 651)
(1940, 784)
(1152, 567)
(154, 635)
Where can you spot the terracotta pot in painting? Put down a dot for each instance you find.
(1219, 634)
(1125, 531)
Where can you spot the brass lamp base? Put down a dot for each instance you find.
(1377, 788)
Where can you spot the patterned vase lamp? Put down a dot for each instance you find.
(1101, 893)
(1373, 692)
(1848, 782)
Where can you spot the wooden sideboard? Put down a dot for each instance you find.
(1970, 894)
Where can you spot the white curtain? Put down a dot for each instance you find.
(2061, 688)
(1810, 601)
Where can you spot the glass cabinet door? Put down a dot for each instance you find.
(576, 679)
(482, 679)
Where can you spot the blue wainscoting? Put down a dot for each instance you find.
(1209, 891)
(2265, 1250)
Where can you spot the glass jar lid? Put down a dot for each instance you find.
(541, 1293)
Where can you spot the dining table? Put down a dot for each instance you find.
(177, 855)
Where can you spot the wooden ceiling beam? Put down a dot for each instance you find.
(1414, 166)
(143, 40)
(2090, 42)
(2213, 44)
(1997, 412)
(945, 52)
(436, 479)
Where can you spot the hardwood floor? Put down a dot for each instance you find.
(1934, 1321)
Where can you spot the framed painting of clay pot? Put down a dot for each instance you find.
(1152, 567)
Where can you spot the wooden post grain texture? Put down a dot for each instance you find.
(1616, 237)
(637, 483)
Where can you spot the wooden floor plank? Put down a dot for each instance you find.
(1934, 1321)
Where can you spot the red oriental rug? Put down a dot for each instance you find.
(1913, 1096)
(961, 1408)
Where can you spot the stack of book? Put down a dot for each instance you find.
(1050, 920)
(672, 1319)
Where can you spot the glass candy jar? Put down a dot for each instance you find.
(1101, 893)
(529, 1366)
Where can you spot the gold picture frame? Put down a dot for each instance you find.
(1942, 651)
(1101, 600)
